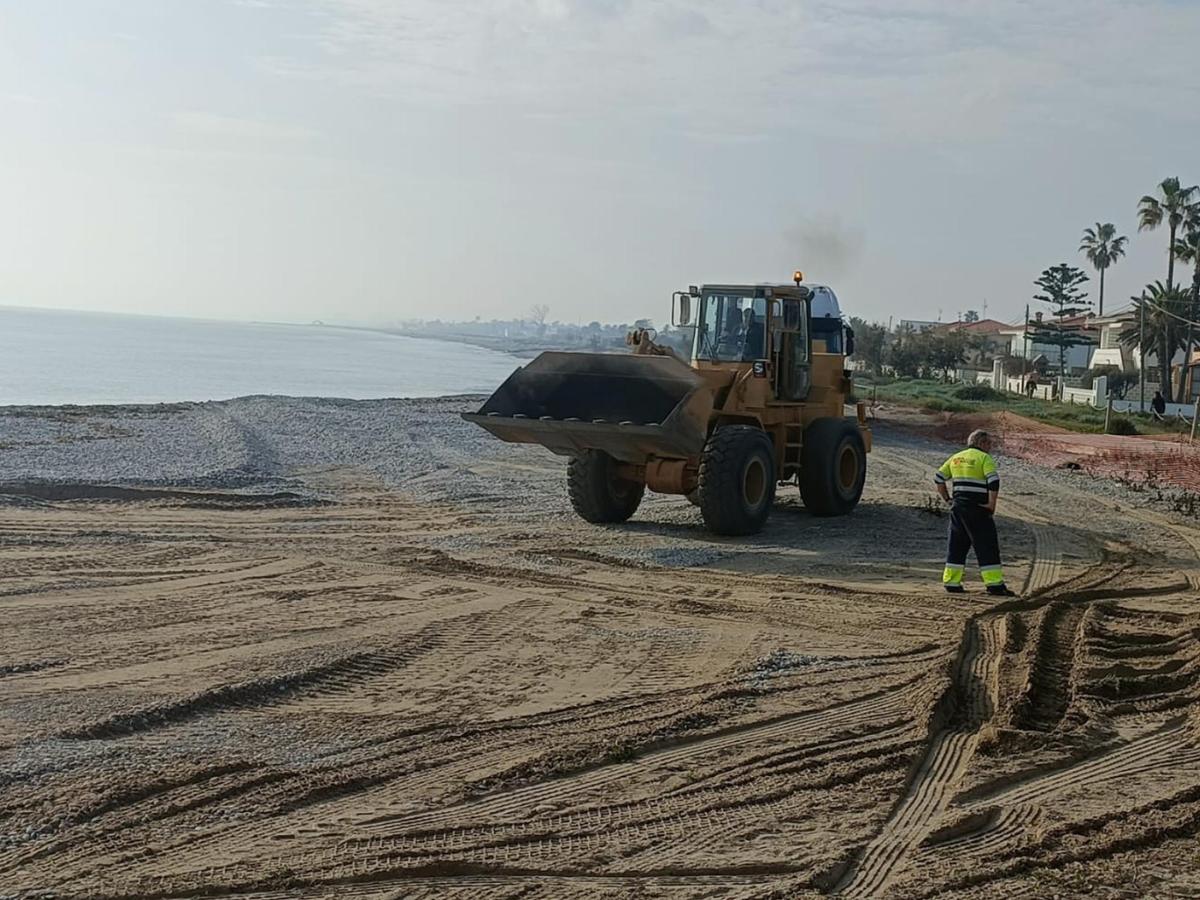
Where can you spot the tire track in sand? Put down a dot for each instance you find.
(1047, 694)
(879, 707)
(1170, 748)
(1000, 828)
(255, 693)
(968, 703)
(1047, 559)
(1011, 808)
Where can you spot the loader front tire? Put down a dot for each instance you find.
(737, 480)
(833, 467)
(597, 493)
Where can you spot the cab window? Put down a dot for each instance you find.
(732, 328)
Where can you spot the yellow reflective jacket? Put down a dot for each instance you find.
(973, 473)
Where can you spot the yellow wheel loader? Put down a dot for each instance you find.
(761, 403)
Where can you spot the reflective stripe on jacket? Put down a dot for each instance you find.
(973, 473)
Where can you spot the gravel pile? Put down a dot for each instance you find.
(264, 443)
(422, 446)
(785, 662)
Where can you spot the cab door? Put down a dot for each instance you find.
(794, 364)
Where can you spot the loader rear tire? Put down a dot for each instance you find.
(833, 467)
(737, 480)
(597, 493)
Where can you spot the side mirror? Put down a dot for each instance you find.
(849, 341)
(685, 309)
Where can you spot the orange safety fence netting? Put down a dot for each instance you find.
(1173, 463)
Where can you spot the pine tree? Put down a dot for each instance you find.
(1061, 290)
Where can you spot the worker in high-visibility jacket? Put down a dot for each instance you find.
(976, 483)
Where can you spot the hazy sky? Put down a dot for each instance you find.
(379, 159)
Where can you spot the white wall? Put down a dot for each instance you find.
(1097, 397)
(1015, 385)
(1173, 409)
(1079, 396)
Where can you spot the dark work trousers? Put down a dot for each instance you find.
(972, 526)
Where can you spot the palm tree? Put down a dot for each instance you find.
(1172, 205)
(1187, 249)
(1103, 247)
(1162, 334)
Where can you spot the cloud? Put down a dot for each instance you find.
(683, 23)
(238, 128)
(921, 71)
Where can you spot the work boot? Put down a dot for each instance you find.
(955, 589)
(1000, 590)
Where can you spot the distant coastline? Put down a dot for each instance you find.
(525, 348)
(525, 342)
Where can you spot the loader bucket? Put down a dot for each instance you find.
(631, 407)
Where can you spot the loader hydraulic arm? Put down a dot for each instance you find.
(642, 343)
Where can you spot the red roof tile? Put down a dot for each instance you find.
(983, 326)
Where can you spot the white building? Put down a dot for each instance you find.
(1022, 345)
(918, 324)
(1111, 352)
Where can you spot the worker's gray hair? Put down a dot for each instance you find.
(978, 436)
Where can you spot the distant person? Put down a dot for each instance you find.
(976, 489)
(1159, 406)
(1031, 384)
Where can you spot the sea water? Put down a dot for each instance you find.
(60, 357)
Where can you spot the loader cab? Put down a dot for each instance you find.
(767, 324)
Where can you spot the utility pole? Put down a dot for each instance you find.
(1025, 338)
(1142, 351)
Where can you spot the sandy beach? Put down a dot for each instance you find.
(278, 648)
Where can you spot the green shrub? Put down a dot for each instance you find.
(1119, 381)
(1121, 425)
(935, 404)
(979, 392)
